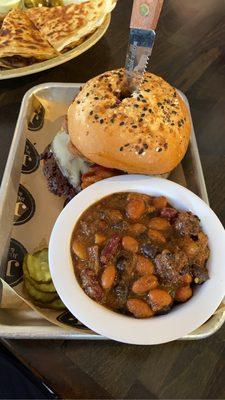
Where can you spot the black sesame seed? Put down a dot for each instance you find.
(138, 98)
(140, 95)
(179, 124)
(87, 94)
(101, 121)
(174, 95)
(121, 148)
(159, 104)
(160, 149)
(142, 115)
(96, 116)
(91, 112)
(147, 90)
(145, 145)
(145, 108)
(96, 98)
(141, 119)
(172, 123)
(141, 151)
(78, 101)
(121, 123)
(144, 101)
(150, 110)
(136, 105)
(127, 144)
(134, 126)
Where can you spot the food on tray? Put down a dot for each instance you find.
(137, 255)
(21, 43)
(40, 33)
(38, 282)
(65, 26)
(112, 131)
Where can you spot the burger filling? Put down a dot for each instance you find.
(72, 167)
(68, 173)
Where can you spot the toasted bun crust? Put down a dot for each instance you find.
(146, 133)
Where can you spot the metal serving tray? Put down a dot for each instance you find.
(28, 323)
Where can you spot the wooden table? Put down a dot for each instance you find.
(189, 53)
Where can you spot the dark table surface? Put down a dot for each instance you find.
(190, 54)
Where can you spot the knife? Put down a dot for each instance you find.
(144, 19)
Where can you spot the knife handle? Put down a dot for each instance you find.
(145, 14)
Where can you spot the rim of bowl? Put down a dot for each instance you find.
(182, 319)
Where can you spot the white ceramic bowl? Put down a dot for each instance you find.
(181, 320)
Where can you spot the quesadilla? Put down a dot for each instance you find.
(21, 44)
(66, 25)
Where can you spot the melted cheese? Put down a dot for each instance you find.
(70, 165)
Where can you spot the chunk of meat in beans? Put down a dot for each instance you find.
(187, 224)
(137, 255)
(169, 266)
(91, 285)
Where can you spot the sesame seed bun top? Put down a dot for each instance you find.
(147, 132)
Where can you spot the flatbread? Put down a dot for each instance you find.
(21, 43)
(64, 25)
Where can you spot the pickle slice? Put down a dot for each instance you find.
(56, 304)
(37, 295)
(37, 265)
(43, 287)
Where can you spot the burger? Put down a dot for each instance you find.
(110, 131)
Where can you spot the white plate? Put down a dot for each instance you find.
(184, 318)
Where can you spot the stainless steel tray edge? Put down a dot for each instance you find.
(11, 182)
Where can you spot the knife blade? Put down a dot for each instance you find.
(144, 19)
